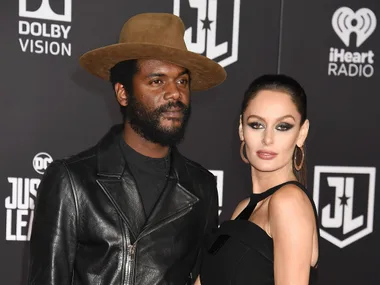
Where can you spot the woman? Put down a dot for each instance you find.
(273, 235)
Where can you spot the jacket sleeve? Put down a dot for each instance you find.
(53, 239)
(212, 224)
(213, 211)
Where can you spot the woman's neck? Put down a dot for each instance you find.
(264, 180)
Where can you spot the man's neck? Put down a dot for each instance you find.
(141, 145)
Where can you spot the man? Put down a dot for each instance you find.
(132, 209)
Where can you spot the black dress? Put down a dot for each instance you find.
(241, 252)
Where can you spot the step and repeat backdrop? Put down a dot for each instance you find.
(51, 108)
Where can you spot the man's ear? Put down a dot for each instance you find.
(303, 133)
(121, 94)
(241, 133)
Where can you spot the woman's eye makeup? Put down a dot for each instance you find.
(284, 127)
(256, 125)
(280, 127)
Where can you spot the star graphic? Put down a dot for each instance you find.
(343, 199)
(206, 23)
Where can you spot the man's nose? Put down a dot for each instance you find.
(172, 91)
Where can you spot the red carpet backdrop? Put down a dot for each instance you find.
(51, 108)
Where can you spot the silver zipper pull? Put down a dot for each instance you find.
(131, 250)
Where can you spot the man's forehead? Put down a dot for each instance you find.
(160, 66)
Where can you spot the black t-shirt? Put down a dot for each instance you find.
(149, 173)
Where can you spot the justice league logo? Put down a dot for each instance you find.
(219, 176)
(19, 205)
(208, 33)
(345, 200)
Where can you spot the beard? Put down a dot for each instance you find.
(147, 124)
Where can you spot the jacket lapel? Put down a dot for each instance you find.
(177, 197)
(118, 184)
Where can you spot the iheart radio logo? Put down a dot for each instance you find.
(362, 22)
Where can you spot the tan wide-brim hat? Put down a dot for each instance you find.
(155, 36)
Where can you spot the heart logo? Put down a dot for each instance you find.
(345, 21)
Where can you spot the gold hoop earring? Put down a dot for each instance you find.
(298, 166)
(242, 153)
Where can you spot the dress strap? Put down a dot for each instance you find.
(255, 198)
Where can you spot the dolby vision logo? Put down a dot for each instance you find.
(38, 35)
(45, 12)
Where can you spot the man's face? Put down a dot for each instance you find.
(159, 106)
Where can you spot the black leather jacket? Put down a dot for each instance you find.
(89, 225)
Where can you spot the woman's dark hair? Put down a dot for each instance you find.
(123, 73)
(288, 85)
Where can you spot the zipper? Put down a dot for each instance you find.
(131, 250)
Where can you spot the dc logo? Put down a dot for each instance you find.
(204, 28)
(362, 23)
(41, 162)
(345, 200)
(45, 11)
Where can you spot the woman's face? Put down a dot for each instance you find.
(271, 128)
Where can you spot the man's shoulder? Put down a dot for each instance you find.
(203, 181)
(83, 158)
(197, 169)
(89, 155)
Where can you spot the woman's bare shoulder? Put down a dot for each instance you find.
(290, 205)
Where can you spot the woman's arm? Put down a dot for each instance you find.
(292, 225)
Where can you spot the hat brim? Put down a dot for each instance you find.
(205, 73)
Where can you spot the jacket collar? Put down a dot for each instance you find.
(117, 182)
(111, 162)
(110, 159)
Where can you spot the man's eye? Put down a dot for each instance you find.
(156, 81)
(183, 82)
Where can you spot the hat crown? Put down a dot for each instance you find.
(157, 36)
(156, 29)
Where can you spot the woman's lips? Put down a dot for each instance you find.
(267, 155)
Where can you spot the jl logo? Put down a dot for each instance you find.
(345, 21)
(204, 27)
(345, 200)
